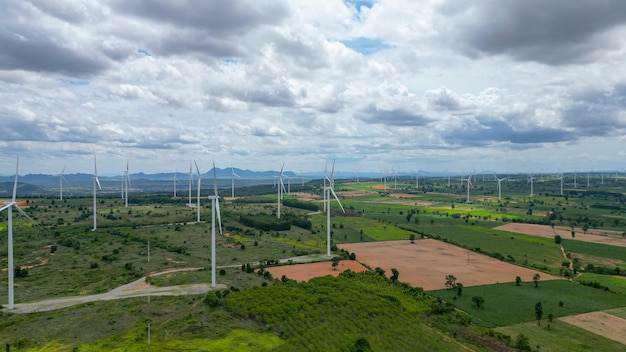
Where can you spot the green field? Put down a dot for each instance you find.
(508, 304)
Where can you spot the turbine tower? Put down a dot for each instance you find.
(531, 180)
(232, 180)
(499, 186)
(199, 180)
(469, 185)
(281, 189)
(324, 189)
(8, 206)
(96, 182)
(561, 177)
(61, 178)
(126, 185)
(215, 207)
(330, 190)
(175, 182)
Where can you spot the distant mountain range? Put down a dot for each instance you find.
(80, 183)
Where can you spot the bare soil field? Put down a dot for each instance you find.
(600, 323)
(305, 196)
(612, 238)
(427, 262)
(357, 193)
(305, 272)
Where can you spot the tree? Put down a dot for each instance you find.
(450, 281)
(538, 312)
(335, 262)
(459, 289)
(536, 279)
(395, 275)
(361, 345)
(522, 344)
(573, 233)
(557, 239)
(478, 301)
(518, 281)
(550, 317)
(412, 238)
(585, 227)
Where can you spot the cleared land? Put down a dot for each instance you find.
(601, 323)
(595, 236)
(427, 262)
(305, 272)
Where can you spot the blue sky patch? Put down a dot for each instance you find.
(141, 51)
(366, 46)
(73, 82)
(359, 4)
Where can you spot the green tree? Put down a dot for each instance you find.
(518, 281)
(522, 343)
(573, 233)
(536, 279)
(412, 238)
(450, 281)
(478, 301)
(459, 289)
(538, 312)
(335, 262)
(395, 275)
(557, 239)
(361, 345)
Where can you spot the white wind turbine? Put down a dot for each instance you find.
(417, 179)
(198, 204)
(574, 179)
(469, 185)
(215, 207)
(96, 182)
(531, 180)
(175, 179)
(330, 190)
(126, 185)
(561, 178)
(8, 206)
(281, 188)
(232, 181)
(324, 190)
(395, 179)
(499, 186)
(61, 178)
(357, 174)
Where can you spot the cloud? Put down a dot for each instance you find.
(552, 32)
(391, 116)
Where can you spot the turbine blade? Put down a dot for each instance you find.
(62, 172)
(95, 166)
(98, 183)
(17, 166)
(214, 180)
(219, 217)
(281, 170)
(24, 213)
(338, 201)
(6, 206)
(332, 174)
(197, 169)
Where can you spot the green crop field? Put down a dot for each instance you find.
(508, 304)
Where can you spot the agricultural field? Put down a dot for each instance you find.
(485, 244)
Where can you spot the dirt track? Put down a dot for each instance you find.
(136, 288)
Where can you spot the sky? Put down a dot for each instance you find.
(432, 85)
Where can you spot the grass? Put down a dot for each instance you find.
(560, 336)
(613, 283)
(508, 304)
(599, 250)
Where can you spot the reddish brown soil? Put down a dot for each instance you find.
(305, 272)
(612, 238)
(427, 262)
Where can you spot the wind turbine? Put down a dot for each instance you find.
(175, 182)
(395, 179)
(531, 180)
(561, 177)
(329, 190)
(215, 207)
(499, 186)
(357, 174)
(8, 206)
(198, 205)
(324, 190)
(232, 181)
(126, 185)
(574, 179)
(417, 179)
(281, 188)
(96, 182)
(469, 185)
(61, 178)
